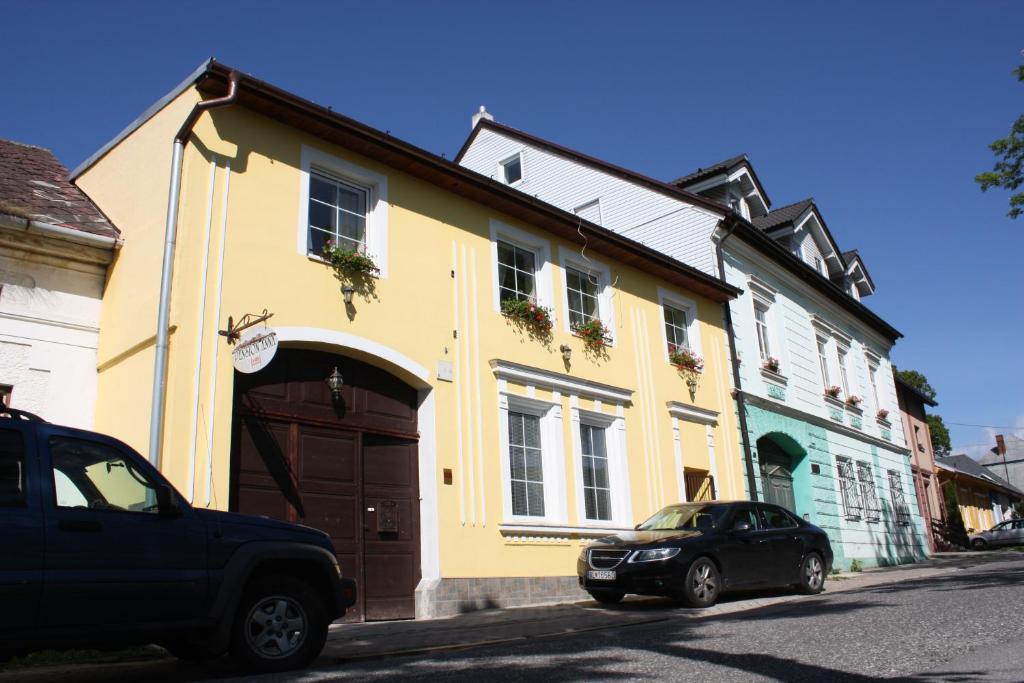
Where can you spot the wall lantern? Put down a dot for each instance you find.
(346, 292)
(566, 352)
(334, 383)
(691, 384)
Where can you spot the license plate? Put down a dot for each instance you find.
(601, 575)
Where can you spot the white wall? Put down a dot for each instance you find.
(669, 225)
(49, 324)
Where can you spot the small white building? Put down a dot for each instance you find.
(55, 247)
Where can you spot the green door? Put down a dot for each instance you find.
(776, 475)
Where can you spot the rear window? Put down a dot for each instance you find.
(12, 467)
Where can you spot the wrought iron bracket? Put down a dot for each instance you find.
(234, 330)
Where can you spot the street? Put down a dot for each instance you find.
(959, 622)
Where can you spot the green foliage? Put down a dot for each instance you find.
(940, 436)
(916, 380)
(856, 566)
(685, 360)
(1008, 171)
(1018, 510)
(593, 333)
(956, 533)
(347, 262)
(528, 316)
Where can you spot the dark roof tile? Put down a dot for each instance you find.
(707, 171)
(786, 214)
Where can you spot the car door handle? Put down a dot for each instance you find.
(86, 525)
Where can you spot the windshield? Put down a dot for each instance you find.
(693, 516)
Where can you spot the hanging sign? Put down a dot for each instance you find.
(255, 349)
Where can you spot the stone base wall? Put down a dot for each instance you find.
(448, 597)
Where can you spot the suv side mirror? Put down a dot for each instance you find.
(741, 526)
(165, 502)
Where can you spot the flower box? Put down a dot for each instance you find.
(771, 365)
(685, 360)
(594, 333)
(533, 318)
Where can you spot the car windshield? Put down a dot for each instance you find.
(691, 516)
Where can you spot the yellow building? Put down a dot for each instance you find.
(466, 458)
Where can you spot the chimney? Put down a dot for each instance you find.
(1000, 445)
(482, 114)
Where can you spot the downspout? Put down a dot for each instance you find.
(156, 419)
(748, 455)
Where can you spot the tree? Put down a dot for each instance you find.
(1008, 171)
(916, 380)
(940, 436)
(956, 533)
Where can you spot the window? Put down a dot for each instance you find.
(5, 395)
(516, 273)
(512, 170)
(591, 211)
(823, 361)
(746, 515)
(819, 266)
(700, 484)
(774, 518)
(761, 325)
(526, 464)
(93, 475)
(872, 508)
(899, 504)
(597, 492)
(337, 212)
(852, 502)
(582, 291)
(872, 371)
(12, 464)
(675, 328)
(842, 372)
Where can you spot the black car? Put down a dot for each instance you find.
(99, 551)
(693, 551)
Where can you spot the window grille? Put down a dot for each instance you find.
(899, 502)
(852, 502)
(872, 507)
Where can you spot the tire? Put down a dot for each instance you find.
(607, 597)
(702, 584)
(190, 651)
(812, 575)
(293, 608)
(979, 544)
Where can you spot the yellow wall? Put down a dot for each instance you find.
(430, 232)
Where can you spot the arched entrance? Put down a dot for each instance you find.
(776, 472)
(348, 467)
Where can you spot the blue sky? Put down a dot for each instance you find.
(880, 111)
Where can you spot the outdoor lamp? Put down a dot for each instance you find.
(566, 352)
(334, 383)
(691, 384)
(346, 292)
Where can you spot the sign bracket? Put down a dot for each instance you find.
(248, 320)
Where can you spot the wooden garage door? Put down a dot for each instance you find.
(336, 471)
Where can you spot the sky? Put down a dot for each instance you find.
(881, 111)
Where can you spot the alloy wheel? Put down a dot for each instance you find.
(704, 582)
(814, 573)
(275, 627)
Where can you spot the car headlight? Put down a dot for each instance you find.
(654, 555)
(583, 554)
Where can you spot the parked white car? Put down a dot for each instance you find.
(1004, 533)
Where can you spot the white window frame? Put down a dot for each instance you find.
(762, 331)
(541, 249)
(522, 168)
(868, 491)
(763, 295)
(618, 472)
(873, 381)
(552, 457)
(313, 160)
(688, 306)
(583, 207)
(824, 372)
(571, 259)
(842, 356)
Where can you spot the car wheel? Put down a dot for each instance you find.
(702, 583)
(812, 575)
(280, 625)
(979, 544)
(607, 597)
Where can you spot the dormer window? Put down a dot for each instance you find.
(512, 170)
(819, 266)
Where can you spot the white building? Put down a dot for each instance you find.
(55, 246)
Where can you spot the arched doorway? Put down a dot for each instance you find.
(776, 473)
(348, 467)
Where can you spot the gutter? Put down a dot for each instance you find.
(156, 421)
(748, 456)
(34, 227)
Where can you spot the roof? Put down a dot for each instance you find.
(1014, 451)
(853, 255)
(744, 228)
(782, 216)
(914, 391)
(587, 160)
(965, 464)
(724, 166)
(211, 78)
(34, 185)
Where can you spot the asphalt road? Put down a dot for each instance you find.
(965, 626)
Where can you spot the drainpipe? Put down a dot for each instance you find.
(156, 419)
(748, 455)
